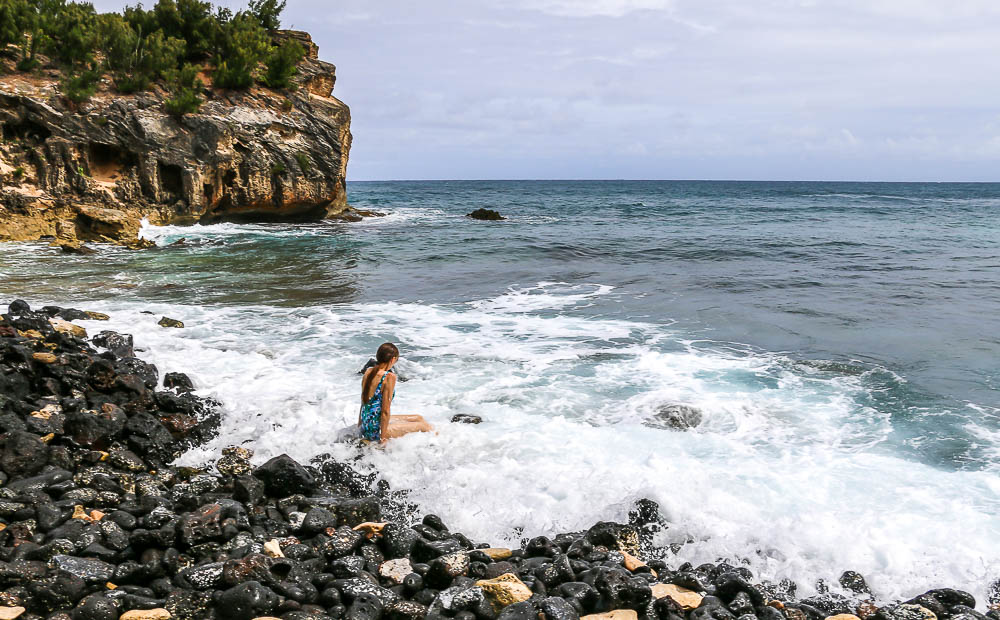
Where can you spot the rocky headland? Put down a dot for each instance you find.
(97, 524)
(92, 171)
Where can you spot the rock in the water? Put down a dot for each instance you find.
(169, 322)
(675, 416)
(178, 381)
(504, 590)
(119, 344)
(486, 214)
(465, 418)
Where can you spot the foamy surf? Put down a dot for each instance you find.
(789, 471)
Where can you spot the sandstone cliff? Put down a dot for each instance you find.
(92, 172)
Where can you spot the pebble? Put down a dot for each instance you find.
(157, 613)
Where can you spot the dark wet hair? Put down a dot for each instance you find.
(386, 352)
(384, 355)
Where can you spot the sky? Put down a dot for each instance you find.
(892, 90)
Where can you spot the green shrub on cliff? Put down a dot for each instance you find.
(21, 23)
(139, 46)
(136, 60)
(244, 45)
(71, 31)
(80, 86)
(189, 21)
(281, 64)
(184, 87)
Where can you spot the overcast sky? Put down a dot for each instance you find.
(664, 89)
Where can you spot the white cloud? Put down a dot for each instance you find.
(594, 8)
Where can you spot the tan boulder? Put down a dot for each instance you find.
(9, 613)
(633, 563)
(497, 553)
(504, 590)
(687, 599)
(273, 548)
(843, 617)
(618, 614)
(96, 316)
(45, 358)
(146, 614)
(65, 327)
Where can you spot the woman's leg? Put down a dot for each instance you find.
(406, 418)
(401, 425)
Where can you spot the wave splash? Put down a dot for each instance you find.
(789, 471)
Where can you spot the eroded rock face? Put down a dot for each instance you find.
(92, 172)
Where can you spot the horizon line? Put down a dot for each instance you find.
(667, 181)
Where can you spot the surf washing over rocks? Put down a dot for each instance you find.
(93, 530)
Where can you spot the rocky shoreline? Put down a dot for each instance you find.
(95, 523)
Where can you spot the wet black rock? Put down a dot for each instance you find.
(486, 214)
(177, 381)
(246, 601)
(465, 418)
(282, 477)
(119, 344)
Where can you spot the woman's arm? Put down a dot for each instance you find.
(388, 388)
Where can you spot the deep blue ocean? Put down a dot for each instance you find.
(842, 341)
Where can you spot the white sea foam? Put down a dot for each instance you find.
(786, 471)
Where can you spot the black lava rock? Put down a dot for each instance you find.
(486, 214)
(282, 477)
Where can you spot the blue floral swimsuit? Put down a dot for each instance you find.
(371, 414)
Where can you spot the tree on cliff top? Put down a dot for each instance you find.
(267, 12)
(244, 45)
(136, 60)
(281, 64)
(139, 46)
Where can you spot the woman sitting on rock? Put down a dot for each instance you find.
(377, 388)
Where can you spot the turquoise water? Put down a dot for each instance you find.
(841, 340)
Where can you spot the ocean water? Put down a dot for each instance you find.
(841, 339)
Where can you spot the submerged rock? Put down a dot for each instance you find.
(168, 322)
(675, 416)
(465, 418)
